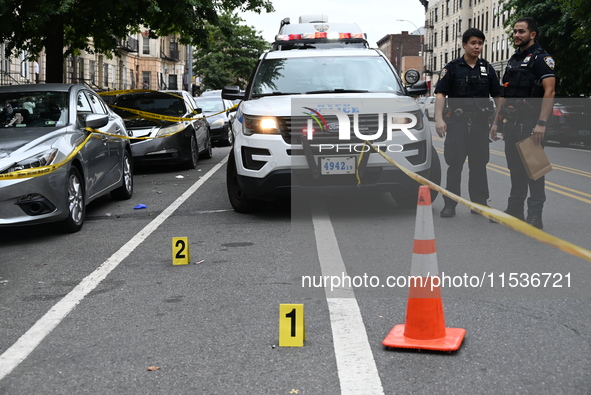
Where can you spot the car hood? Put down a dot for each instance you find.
(23, 139)
(281, 106)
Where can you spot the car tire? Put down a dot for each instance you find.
(410, 200)
(125, 191)
(208, 152)
(76, 202)
(229, 138)
(239, 201)
(194, 154)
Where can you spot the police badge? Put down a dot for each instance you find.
(550, 62)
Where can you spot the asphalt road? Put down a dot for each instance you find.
(105, 311)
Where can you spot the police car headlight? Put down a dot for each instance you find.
(414, 119)
(260, 125)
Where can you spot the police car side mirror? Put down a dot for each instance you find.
(420, 88)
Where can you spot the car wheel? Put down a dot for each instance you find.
(125, 191)
(230, 137)
(76, 202)
(208, 152)
(410, 200)
(194, 156)
(240, 202)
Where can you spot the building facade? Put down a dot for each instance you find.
(397, 47)
(139, 61)
(446, 21)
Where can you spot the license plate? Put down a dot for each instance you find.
(337, 165)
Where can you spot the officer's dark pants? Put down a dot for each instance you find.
(465, 140)
(520, 182)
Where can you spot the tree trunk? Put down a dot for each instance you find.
(54, 51)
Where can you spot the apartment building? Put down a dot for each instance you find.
(159, 63)
(446, 21)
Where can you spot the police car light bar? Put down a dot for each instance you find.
(329, 36)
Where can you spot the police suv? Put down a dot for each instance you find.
(312, 103)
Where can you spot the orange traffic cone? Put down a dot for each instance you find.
(425, 322)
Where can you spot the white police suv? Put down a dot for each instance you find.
(310, 106)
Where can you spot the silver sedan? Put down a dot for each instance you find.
(51, 164)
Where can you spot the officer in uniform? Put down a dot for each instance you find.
(525, 106)
(468, 82)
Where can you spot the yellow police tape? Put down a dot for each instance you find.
(491, 213)
(41, 171)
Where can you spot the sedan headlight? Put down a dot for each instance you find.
(38, 160)
(218, 123)
(175, 128)
(260, 125)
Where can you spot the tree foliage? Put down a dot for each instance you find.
(229, 54)
(97, 25)
(564, 32)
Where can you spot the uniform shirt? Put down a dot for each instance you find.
(542, 67)
(458, 68)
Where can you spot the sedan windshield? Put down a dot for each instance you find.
(210, 104)
(334, 74)
(26, 109)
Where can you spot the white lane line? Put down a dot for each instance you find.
(20, 350)
(356, 366)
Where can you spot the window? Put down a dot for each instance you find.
(435, 39)
(106, 74)
(83, 104)
(96, 104)
(146, 80)
(145, 45)
(446, 33)
(91, 72)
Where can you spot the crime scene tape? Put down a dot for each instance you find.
(41, 171)
(491, 213)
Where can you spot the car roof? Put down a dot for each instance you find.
(40, 87)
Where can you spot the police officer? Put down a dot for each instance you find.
(468, 82)
(525, 106)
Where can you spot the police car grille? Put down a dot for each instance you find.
(293, 128)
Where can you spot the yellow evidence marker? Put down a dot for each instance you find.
(180, 251)
(292, 326)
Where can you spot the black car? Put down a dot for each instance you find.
(570, 121)
(217, 113)
(166, 127)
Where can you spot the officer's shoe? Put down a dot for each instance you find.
(516, 213)
(535, 220)
(448, 211)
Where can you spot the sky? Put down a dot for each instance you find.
(377, 18)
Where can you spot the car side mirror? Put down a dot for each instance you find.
(420, 88)
(96, 121)
(232, 92)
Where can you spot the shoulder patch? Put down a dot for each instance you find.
(550, 62)
(443, 73)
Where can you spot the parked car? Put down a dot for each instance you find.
(41, 125)
(216, 92)
(427, 104)
(570, 121)
(219, 124)
(171, 133)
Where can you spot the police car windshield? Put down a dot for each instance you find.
(326, 74)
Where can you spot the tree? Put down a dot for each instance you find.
(565, 34)
(230, 53)
(96, 26)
